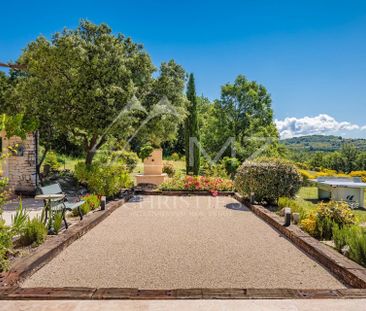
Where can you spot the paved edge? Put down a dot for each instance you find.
(181, 192)
(84, 293)
(26, 266)
(346, 270)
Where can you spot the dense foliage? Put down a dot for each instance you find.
(320, 223)
(268, 179)
(145, 151)
(92, 202)
(325, 143)
(91, 84)
(34, 233)
(103, 179)
(243, 117)
(168, 168)
(192, 136)
(6, 245)
(231, 165)
(346, 155)
(351, 241)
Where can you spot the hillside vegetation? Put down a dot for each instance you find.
(315, 143)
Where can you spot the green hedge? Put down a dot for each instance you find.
(268, 178)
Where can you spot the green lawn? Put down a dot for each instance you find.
(311, 193)
(69, 163)
(308, 193)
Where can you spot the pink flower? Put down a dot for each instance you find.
(214, 193)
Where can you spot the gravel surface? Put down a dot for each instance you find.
(183, 242)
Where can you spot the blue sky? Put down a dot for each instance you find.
(309, 54)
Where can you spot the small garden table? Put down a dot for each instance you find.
(48, 199)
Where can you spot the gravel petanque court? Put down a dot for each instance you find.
(165, 242)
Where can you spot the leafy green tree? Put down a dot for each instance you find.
(91, 84)
(191, 129)
(243, 113)
(316, 160)
(166, 106)
(4, 85)
(349, 154)
(361, 161)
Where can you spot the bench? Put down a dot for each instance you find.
(61, 205)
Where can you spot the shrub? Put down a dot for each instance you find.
(213, 170)
(121, 157)
(309, 225)
(85, 209)
(102, 179)
(340, 236)
(357, 246)
(338, 212)
(268, 179)
(295, 205)
(176, 183)
(325, 217)
(324, 228)
(57, 222)
(34, 233)
(52, 162)
(3, 192)
(92, 202)
(197, 183)
(129, 158)
(175, 156)
(6, 245)
(354, 238)
(230, 165)
(19, 220)
(169, 169)
(330, 214)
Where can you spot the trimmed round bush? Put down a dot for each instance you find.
(268, 178)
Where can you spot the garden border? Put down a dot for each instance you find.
(26, 266)
(85, 293)
(346, 270)
(182, 192)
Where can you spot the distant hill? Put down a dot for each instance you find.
(315, 143)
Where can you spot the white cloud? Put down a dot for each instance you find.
(321, 124)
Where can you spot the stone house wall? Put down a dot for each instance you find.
(20, 168)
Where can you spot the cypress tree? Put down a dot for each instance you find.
(191, 129)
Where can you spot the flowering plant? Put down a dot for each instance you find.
(198, 183)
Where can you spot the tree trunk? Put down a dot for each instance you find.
(39, 165)
(89, 157)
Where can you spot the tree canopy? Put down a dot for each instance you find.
(243, 113)
(92, 84)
